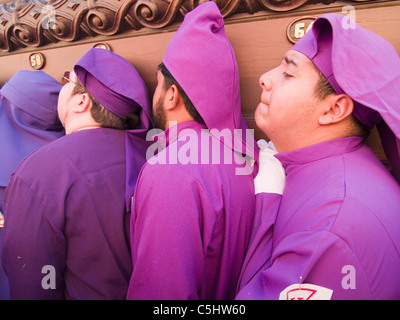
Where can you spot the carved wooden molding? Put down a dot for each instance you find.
(36, 23)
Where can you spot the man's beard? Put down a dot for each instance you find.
(159, 116)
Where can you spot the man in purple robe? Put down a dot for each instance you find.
(66, 219)
(193, 207)
(28, 120)
(337, 232)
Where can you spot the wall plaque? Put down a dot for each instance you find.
(37, 60)
(298, 28)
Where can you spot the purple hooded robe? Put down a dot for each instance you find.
(66, 220)
(193, 211)
(28, 120)
(337, 232)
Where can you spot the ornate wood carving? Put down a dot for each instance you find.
(35, 23)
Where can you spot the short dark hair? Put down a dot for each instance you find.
(169, 80)
(104, 117)
(323, 89)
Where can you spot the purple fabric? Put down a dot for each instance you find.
(200, 53)
(113, 101)
(191, 223)
(65, 207)
(28, 118)
(340, 208)
(116, 84)
(391, 145)
(364, 66)
(135, 144)
(266, 210)
(4, 289)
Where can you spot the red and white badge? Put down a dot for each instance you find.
(305, 291)
(1, 220)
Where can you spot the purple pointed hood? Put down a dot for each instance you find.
(202, 60)
(28, 118)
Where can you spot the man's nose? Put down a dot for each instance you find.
(265, 82)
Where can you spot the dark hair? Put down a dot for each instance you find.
(169, 80)
(104, 117)
(323, 89)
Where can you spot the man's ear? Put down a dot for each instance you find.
(83, 102)
(336, 107)
(172, 98)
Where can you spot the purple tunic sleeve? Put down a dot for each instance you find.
(269, 184)
(260, 248)
(168, 255)
(321, 258)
